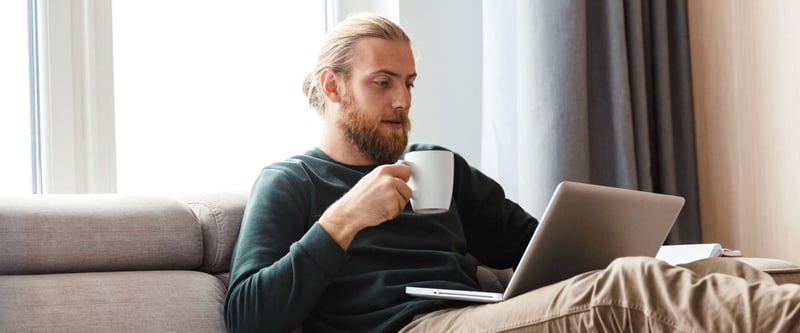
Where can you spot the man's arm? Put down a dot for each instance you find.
(378, 197)
(275, 279)
(278, 270)
(497, 229)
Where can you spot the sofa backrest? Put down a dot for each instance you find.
(110, 232)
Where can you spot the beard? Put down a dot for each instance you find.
(365, 133)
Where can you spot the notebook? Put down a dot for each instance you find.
(584, 227)
(685, 253)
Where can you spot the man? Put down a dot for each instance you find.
(328, 241)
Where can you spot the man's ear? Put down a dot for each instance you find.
(330, 86)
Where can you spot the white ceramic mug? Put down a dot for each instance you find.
(431, 180)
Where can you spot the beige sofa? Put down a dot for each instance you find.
(116, 263)
(119, 263)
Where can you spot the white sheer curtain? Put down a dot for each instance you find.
(526, 88)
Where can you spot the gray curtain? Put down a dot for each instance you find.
(596, 91)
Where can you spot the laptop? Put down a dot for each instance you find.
(583, 228)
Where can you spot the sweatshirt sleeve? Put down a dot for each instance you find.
(280, 264)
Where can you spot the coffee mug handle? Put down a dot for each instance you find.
(413, 191)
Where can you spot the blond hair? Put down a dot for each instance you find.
(335, 53)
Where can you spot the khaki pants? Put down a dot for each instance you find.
(637, 294)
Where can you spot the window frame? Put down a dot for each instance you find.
(76, 96)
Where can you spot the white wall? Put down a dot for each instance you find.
(447, 39)
(446, 36)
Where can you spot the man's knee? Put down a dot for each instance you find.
(637, 264)
(637, 274)
(730, 266)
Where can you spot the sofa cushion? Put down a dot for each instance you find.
(96, 232)
(147, 301)
(220, 215)
(782, 271)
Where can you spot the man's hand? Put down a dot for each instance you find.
(378, 197)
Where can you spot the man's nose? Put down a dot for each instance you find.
(402, 98)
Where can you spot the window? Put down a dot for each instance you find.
(171, 97)
(15, 106)
(208, 92)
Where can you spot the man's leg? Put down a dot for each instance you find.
(728, 266)
(637, 295)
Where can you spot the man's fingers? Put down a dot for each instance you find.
(404, 190)
(400, 170)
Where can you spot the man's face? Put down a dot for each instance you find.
(377, 98)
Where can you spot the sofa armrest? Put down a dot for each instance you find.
(220, 216)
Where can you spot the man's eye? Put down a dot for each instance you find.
(382, 84)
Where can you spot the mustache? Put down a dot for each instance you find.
(399, 117)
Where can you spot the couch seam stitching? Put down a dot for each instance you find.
(215, 214)
(218, 219)
(202, 243)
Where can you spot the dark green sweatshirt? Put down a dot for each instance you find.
(286, 271)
